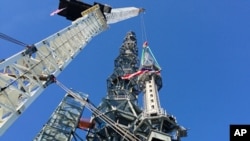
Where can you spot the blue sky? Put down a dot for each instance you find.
(203, 48)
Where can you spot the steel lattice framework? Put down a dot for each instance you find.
(63, 123)
(24, 76)
(120, 104)
(151, 123)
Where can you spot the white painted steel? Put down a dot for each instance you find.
(120, 14)
(151, 98)
(22, 76)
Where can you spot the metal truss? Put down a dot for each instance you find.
(25, 75)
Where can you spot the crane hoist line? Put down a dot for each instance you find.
(25, 75)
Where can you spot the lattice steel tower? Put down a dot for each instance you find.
(120, 105)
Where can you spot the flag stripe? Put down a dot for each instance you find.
(128, 76)
(57, 11)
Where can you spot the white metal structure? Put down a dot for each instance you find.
(119, 14)
(151, 98)
(25, 75)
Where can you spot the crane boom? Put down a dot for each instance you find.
(25, 75)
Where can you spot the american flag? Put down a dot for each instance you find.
(128, 76)
(57, 11)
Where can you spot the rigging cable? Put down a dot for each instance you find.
(121, 131)
(143, 29)
(95, 111)
(12, 40)
(98, 113)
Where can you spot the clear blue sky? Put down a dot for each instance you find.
(203, 48)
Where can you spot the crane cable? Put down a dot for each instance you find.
(12, 40)
(127, 135)
(121, 131)
(143, 29)
(92, 108)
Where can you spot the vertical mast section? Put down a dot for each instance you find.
(154, 124)
(151, 97)
(151, 81)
